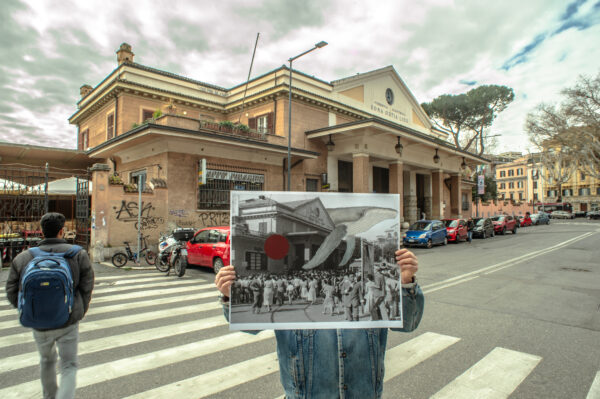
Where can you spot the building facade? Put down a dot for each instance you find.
(193, 142)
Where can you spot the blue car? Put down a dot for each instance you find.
(426, 233)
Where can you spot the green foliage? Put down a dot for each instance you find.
(157, 114)
(491, 190)
(242, 127)
(134, 125)
(115, 179)
(470, 113)
(227, 124)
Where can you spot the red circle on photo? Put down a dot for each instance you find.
(277, 246)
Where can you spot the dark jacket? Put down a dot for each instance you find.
(81, 269)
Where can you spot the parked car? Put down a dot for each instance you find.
(540, 218)
(426, 233)
(210, 247)
(483, 227)
(562, 215)
(504, 223)
(457, 229)
(579, 214)
(593, 215)
(523, 221)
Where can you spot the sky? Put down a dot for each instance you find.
(49, 48)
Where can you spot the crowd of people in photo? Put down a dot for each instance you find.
(339, 292)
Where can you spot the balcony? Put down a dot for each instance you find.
(224, 128)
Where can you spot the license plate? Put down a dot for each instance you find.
(412, 240)
(184, 252)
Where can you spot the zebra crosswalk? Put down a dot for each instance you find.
(182, 323)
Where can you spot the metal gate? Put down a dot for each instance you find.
(25, 197)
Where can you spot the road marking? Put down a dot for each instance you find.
(441, 287)
(117, 341)
(495, 376)
(120, 321)
(506, 263)
(144, 294)
(409, 354)
(189, 283)
(594, 392)
(153, 360)
(216, 381)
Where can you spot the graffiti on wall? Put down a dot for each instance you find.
(208, 219)
(128, 213)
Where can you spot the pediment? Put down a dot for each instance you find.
(384, 94)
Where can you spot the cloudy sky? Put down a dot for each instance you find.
(49, 48)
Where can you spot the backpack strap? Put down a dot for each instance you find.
(74, 250)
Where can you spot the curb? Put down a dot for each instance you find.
(127, 266)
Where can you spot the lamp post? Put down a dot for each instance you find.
(289, 156)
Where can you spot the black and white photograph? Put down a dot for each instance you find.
(314, 260)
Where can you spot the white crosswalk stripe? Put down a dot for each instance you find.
(191, 312)
(495, 376)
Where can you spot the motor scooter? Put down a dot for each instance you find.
(173, 252)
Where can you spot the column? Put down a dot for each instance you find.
(437, 193)
(360, 171)
(100, 211)
(332, 172)
(397, 184)
(455, 196)
(410, 197)
(427, 196)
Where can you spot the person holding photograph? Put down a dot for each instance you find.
(347, 363)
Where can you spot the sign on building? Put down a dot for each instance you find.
(480, 184)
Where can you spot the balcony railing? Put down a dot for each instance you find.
(185, 122)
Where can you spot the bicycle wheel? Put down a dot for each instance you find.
(119, 259)
(180, 265)
(150, 257)
(162, 265)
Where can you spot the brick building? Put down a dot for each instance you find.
(365, 133)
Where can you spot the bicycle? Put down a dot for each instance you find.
(120, 258)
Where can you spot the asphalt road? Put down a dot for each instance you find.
(511, 316)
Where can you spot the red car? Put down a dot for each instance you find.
(504, 223)
(456, 229)
(524, 220)
(209, 247)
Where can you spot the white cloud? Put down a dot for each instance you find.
(436, 46)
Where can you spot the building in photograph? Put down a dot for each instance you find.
(192, 142)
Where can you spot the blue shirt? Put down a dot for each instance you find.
(343, 364)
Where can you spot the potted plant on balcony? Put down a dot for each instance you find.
(226, 126)
(130, 188)
(115, 179)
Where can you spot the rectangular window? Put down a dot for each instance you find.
(567, 192)
(520, 196)
(511, 185)
(534, 184)
(502, 173)
(110, 126)
(146, 115)
(135, 177)
(312, 185)
(215, 194)
(582, 176)
(520, 184)
(465, 203)
(256, 261)
(84, 140)
(502, 186)
(512, 196)
(262, 123)
(584, 191)
(262, 227)
(511, 172)
(535, 197)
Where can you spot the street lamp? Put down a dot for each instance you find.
(289, 156)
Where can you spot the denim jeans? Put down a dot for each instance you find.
(66, 339)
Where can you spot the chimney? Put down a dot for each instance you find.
(124, 54)
(85, 90)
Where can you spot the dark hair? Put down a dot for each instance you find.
(51, 224)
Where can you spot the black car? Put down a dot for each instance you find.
(484, 227)
(593, 215)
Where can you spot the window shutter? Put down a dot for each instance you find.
(270, 122)
(252, 123)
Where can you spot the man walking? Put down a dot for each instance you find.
(66, 336)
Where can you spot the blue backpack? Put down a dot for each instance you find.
(46, 290)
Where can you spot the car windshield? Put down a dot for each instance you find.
(479, 222)
(451, 223)
(420, 226)
(497, 218)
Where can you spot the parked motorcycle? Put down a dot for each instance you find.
(173, 252)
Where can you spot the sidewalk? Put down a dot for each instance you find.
(129, 265)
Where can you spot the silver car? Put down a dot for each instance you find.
(540, 218)
(562, 215)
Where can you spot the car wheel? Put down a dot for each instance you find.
(429, 244)
(217, 265)
(484, 234)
